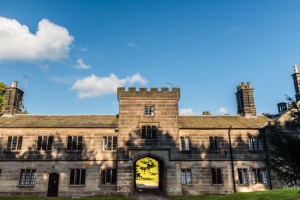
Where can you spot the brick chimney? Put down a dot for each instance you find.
(245, 100)
(296, 77)
(13, 97)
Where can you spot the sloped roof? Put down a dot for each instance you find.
(221, 122)
(58, 121)
(100, 121)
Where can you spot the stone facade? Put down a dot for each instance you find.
(95, 155)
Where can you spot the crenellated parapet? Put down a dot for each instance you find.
(243, 86)
(164, 93)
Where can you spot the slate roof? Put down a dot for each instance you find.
(58, 121)
(221, 122)
(102, 121)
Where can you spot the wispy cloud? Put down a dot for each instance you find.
(131, 44)
(221, 111)
(93, 86)
(187, 111)
(50, 42)
(81, 64)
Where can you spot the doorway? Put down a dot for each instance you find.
(53, 185)
(149, 173)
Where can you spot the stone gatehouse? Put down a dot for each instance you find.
(96, 155)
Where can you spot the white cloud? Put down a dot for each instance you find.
(186, 111)
(93, 85)
(131, 44)
(221, 111)
(50, 42)
(81, 64)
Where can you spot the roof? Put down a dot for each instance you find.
(58, 121)
(222, 122)
(105, 121)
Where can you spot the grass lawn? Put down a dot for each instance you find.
(282, 194)
(43, 198)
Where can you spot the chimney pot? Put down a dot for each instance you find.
(14, 84)
(296, 68)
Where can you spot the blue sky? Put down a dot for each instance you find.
(76, 53)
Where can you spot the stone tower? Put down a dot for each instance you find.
(296, 77)
(245, 100)
(13, 97)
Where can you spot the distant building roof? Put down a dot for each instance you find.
(221, 122)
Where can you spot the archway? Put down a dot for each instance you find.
(149, 173)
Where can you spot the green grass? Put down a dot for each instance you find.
(282, 194)
(43, 198)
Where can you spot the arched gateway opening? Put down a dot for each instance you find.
(149, 173)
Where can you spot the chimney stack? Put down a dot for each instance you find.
(13, 97)
(245, 100)
(296, 78)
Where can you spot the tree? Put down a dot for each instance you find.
(2, 88)
(147, 168)
(284, 157)
(284, 148)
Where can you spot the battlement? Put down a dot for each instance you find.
(165, 93)
(243, 86)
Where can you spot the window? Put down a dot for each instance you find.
(44, 143)
(74, 143)
(149, 110)
(216, 176)
(108, 176)
(27, 177)
(214, 142)
(148, 132)
(256, 144)
(185, 143)
(109, 143)
(259, 176)
(243, 176)
(77, 177)
(186, 177)
(14, 143)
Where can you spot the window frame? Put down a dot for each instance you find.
(27, 178)
(149, 131)
(216, 176)
(74, 144)
(109, 146)
(14, 143)
(77, 179)
(243, 176)
(214, 143)
(108, 174)
(185, 143)
(44, 143)
(149, 110)
(259, 176)
(186, 177)
(255, 143)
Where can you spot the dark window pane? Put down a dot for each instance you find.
(50, 141)
(72, 175)
(143, 132)
(115, 142)
(20, 143)
(103, 175)
(14, 143)
(79, 143)
(82, 177)
(8, 145)
(44, 143)
(69, 147)
(74, 143)
(39, 143)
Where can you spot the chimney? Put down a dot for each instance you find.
(13, 97)
(245, 100)
(282, 107)
(296, 77)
